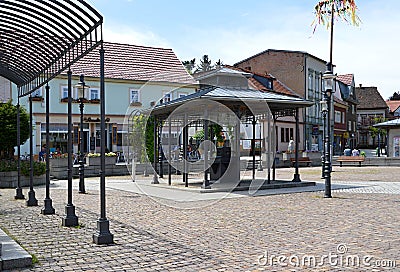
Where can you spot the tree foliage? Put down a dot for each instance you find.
(189, 65)
(142, 137)
(374, 131)
(8, 131)
(205, 64)
(395, 96)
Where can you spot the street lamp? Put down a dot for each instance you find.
(328, 79)
(81, 86)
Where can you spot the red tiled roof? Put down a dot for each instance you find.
(278, 86)
(393, 105)
(346, 79)
(133, 62)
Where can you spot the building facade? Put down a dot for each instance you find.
(372, 109)
(345, 114)
(136, 78)
(302, 73)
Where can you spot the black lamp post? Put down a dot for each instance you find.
(328, 79)
(81, 89)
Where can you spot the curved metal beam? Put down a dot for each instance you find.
(40, 38)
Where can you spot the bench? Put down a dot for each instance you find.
(358, 159)
(301, 160)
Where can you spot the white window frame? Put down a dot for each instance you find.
(167, 96)
(310, 80)
(64, 88)
(92, 90)
(181, 94)
(138, 100)
(338, 117)
(38, 93)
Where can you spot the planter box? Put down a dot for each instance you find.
(95, 161)
(10, 180)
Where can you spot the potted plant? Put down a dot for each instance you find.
(95, 101)
(9, 173)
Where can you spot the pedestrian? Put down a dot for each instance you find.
(355, 152)
(42, 153)
(347, 151)
(291, 146)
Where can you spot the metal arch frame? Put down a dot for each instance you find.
(39, 39)
(57, 33)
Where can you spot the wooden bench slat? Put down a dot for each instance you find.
(301, 160)
(358, 159)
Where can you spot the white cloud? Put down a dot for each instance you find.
(370, 51)
(125, 34)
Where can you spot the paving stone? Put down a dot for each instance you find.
(227, 235)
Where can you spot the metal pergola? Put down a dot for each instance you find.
(224, 105)
(39, 39)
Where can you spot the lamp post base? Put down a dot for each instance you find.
(296, 178)
(70, 219)
(19, 194)
(32, 201)
(48, 207)
(103, 236)
(155, 179)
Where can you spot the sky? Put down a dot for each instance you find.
(235, 30)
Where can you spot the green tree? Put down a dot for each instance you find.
(205, 64)
(395, 96)
(219, 64)
(189, 65)
(141, 137)
(374, 131)
(8, 131)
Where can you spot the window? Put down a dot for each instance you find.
(286, 134)
(310, 80)
(134, 96)
(338, 117)
(166, 97)
(317, 83)
(64, 92)
(37, 93)
(349, 128)
(182, 95)
(94, 94)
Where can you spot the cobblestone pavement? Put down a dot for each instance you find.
(233, 234)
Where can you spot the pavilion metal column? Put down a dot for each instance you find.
(206, 183)
(276, 147)
(253, 147)
(70, 218)
(270, 139)
(32, 201)
(170, 152)
(161, 151)
(48, 203)
(102, 234)
(185, 153)
(155, 140)
(18, 193)
(296, 177)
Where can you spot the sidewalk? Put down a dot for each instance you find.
(190, 231)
